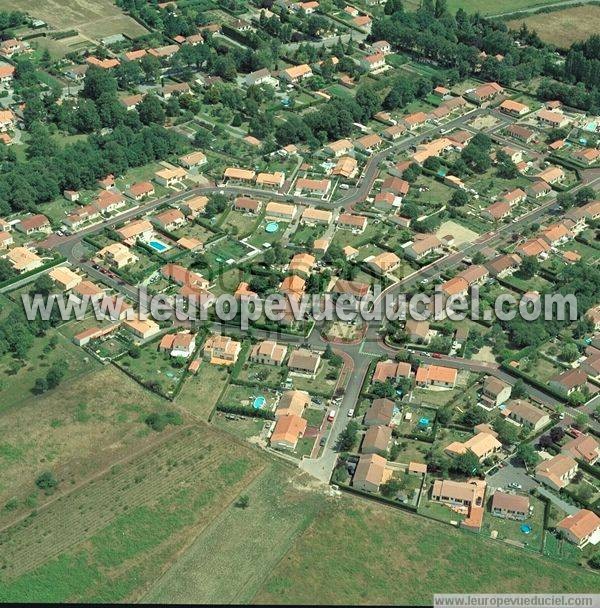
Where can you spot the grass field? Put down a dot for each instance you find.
(74, 431)
(200, 393)
(376, 555)
(486, 7)
(248, 547)
(562, 28)
(93, 18)
(117, 533)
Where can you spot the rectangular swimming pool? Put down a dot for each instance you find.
(158, 246)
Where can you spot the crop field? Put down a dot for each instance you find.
(410, 561)
(562, 28)
(74, 430)
(247, 553)
(117, 533)
(94, 19)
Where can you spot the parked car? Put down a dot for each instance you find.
(331, 415)
(436, 356)
(350, 413)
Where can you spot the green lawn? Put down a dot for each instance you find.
(485, 7)
(318, 384)
(383, 555)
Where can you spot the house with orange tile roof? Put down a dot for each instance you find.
(234, 174)
(533, 248)
(557, 472)
(319, 187)
(513, 108)
(391, 370)
(247, 204)
(459, 493)
(117, 255)
(170, 177)
(140, 190)
(170, 219)
(510, 506)
(376, 440)
(588, 156)
(7, 72)
(296, 73)
(292, 402)
(287, 431)
(346, 167)
(556, 234)
(221, 350)
(64, 278)
(552, 175)
(293, 285)
(34, 223)
(549, 118)
(369, 473)
(339, 148)
(181, 344)
(270, 180)
(436, 375)
(280, 211)
(350, 221)
(497, 211)
(581, 528)
(368, 143)
(104, 64)
(384, 262)
(136, 229)
(483, 445)
(142, 328)
(312, 217)
(486, 92)
(423, 245)
(303, 263)
(584, 447)
(194, 206)
(193, 159)
(182, 276)
(268, 352)
(370, 63)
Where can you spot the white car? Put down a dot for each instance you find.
(350, 413)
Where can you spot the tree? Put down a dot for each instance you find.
(508, 433)
(569, 352)
(594, 561)
(43, 285)
(581, 420)
(56, 373)
(46, 481)
(243, 501)
(444, 415)
(527, 455)
(383, 389)
(40, 386)
(150, 110)
(519, 390)
(529, 267)
(585, 195)
(557, 433)
(347, 438)
(391, 488)
(459, 198)
(465, 464)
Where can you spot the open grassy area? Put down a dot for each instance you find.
(378, 553)
(115, 535)
(93, 18)
(17, 378)
(247, 550)
(74, 430)
(565, 27)
(200, 393)
(486, 7)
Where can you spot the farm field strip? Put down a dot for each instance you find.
(37, 539)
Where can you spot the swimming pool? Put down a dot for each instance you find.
(272, 227)
(158, 246)
(591, 126)
(259, 402)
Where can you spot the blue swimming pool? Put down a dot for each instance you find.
(259, 402)
(158, 246)
(272, 227)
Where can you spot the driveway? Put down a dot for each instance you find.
(511, 473)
